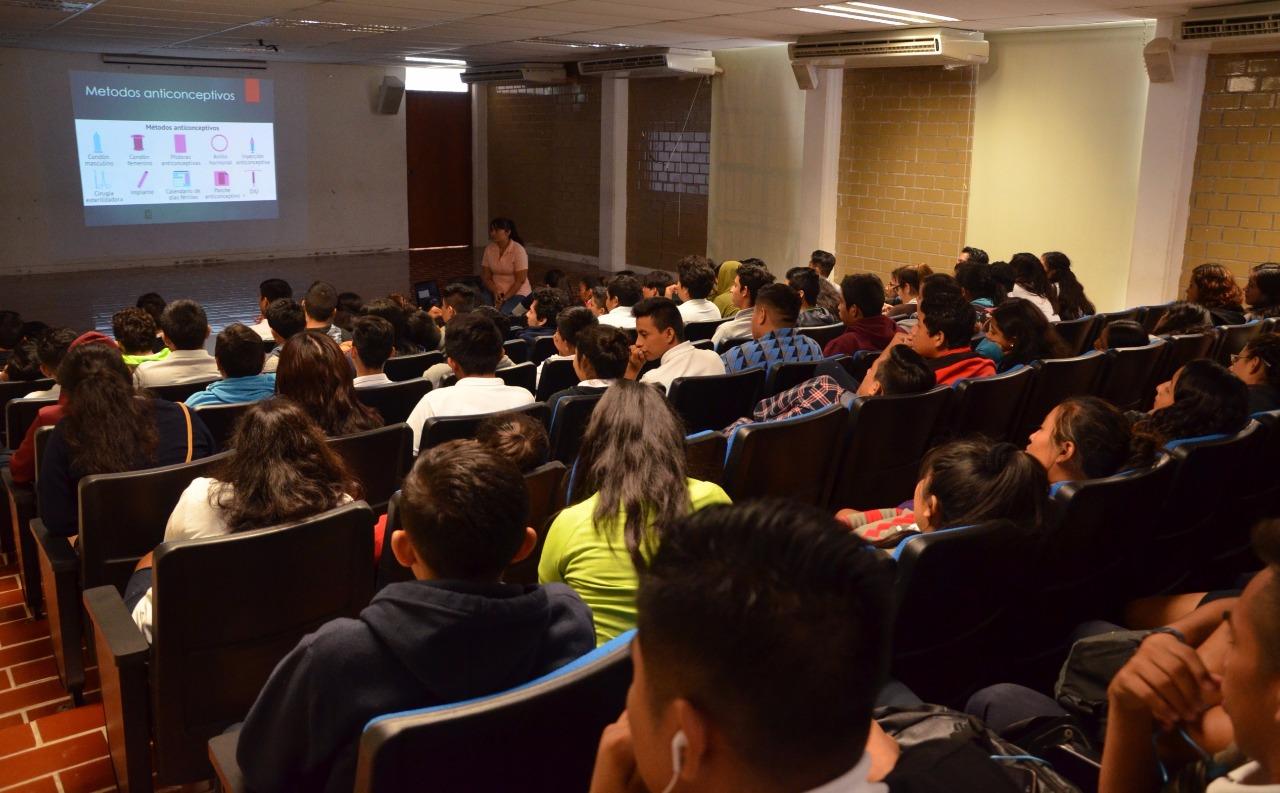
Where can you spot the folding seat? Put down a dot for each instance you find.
(122, 518)
(1184, 348)
(378, 459)
(788, 375)
(1233, 339)
(823, 334)
(703, 330)
(1106, 318)
(396, 400)
(221, 420)
(704, 456)
(569, 424)
(19, 415)
(543, 348)
(180, 391)
(1128, 381)
(1151, 316)
(761, 458)
(544, 484)
(407, 367)
(21, 504)
(556, 376)
(524, 375)
(452, 428)
(213, 649)
(10, 391)
(1055, 380)
(989, 406)
(858, 364)
(517, 350)
(878, 461)
(713, 402)
(1261, 497)
(1077, 333)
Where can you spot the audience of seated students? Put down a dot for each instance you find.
(1262, 293)
(632, 463)
(943, 331)
(865, 327)
(454, 633)
(1067, 289)
(280, 470)
(746, 286)
(395, 315)
(696, 279)
(1258, 366)
(240, 357)
(904, 284)
(10, 333)
(472, 349)
(774, 338)
(599, 301)
(569, 323)
(622, 292)
(807, 283)
(350, 305)
(723, 291)
(504, 268)
(961, 483)
(184, 327)
(320, 304)
(656, 283)
(269, 291)
(50, 350)
(372, 343)
(286, 319)
(135, 332)
(1023, 335)
(316, 374)
(1202, 398)
(586, 283)
(974, 255)
(1167, 686)
(153, 304)
(1083, 437)
(1183, 318)
(1032, 283)
(517, 437)
(545, 305)
(1121, 334)
(23, 364)
(728, 693)
(660, 337)
(1212, 286)
(601, 360)
(107, 427)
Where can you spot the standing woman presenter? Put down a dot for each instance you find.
(505, 266)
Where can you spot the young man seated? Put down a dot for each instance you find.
(239, 355)
(660, 337)
(808, 284)
(321, 306)
(545, 305)
(454, 633)
(656, 283)
(697, 279)
(135, 332)
(286, 319)
(761, 644)
(50, 350)
(774, 339)
(372, 343)
(865, 328)
(472, 349)
(603, 353)
(944, 331)
(623, 292)
(269, 291)
(747, 283)
(184, 327)
(824, 264)
(569, 323)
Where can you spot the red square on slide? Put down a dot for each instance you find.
(252, 91)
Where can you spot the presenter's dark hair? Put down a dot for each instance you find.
(508, 225)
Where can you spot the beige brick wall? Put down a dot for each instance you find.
(544, 163)
(1235, 197)
(905, 149)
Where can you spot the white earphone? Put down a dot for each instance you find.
(679, 745)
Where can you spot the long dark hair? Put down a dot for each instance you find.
(109, 426)
(978, 479)
(314, 373)
(1029, 274)
(1265, 278)
(1207, 400)
(1072, 302)
(1034, 339)
(1100, 432)
(282, 469)
(633, 458)
(508, 225)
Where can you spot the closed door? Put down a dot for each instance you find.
(438, 157)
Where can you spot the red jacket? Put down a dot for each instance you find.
(868, 333)
(23, 462)
(960, 363)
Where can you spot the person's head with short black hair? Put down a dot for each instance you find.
(153, 304)
(349, 306)
(1023, 333)
(861, 296)
(500, 321)
(603, 353)
(422, 331)
(23, 364)
(472, 345)
(823, 262)
(320, 302)
(777, 306)
(465, 511)
(373, 341)
(185, 325)
(1262, 293)
(546, 305)
(554, 278)
(697, 277)
(748, 282)
(974, 255)
(1083, 437)
(624, 290)
(946, 319)
(286, 319)
(901, 371)
(977, 283)
(457, 299)
(52, 347)
(238, 351)
(655, 283)
(586, 283)
(135, 331)
(1184, 318)
(1003, 276)
(271, 290)
(392, 312)
(599, 300)
(1121, 334)
(569, 323)
(977, 479)
(805, 281)
(729, 614)
(659, 326)
(518, 437)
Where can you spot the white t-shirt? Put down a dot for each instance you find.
(683, 360)
(365, 380)
(1039, 302)
(698, 310)
(468, 397)
(1238, 781)
(735, 329)
(620, 317)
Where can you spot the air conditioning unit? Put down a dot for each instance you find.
(660, 62)
(1235, 28)
(526, 73)
(905, 47)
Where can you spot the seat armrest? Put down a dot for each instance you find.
(115, 626)
(62, 557)
(222, 756)
(122, 665)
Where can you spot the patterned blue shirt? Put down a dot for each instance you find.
(784, 345)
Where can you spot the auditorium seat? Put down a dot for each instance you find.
(396, 400)
(1055, 380)
(704, 456)
(517, 350)
(21, 506)
(704, 344)
(988, 406)
(858, 364)
(18, 389)
(165, 702)
(180, 391)
(544, 484)
(556, 376)
(407, 367)
(524, 375)
(221, 420)
(1077, 333)
(438, 430)
(1151, 315)
(1184, 348)
(569, 424)
(389, 569)
(713, 402)
(1233, 338)
(1127, 383)
(823, 334)
(1106, 318)
(761, 458)
(543, 348)
(788, 375)
(1262, 488)
(19, 415)
(704, 330)
(378, 458)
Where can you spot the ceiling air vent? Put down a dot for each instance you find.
(528, 73)
(907, 47)
(651, 63)
(1232, 27)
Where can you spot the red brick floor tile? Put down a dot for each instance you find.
(18, 738)
(43, 785)
(11, 613)
(40, 648)
(29, 696)
(11, 598)
(9, 583)
(70, 722)
(22, 631)
(88, 777)
(32, 671)
(53, 757)
(11, 720)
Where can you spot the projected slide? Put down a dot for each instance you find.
(162, 149)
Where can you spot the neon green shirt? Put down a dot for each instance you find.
(132, 361)
(598, 567)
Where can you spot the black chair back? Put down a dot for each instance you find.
(789, 375)
(1106, 318)
(1055, 380)
(569, 424)
(760, 460)
(1127, 383)
(549, 730)
(1261, 497)
(543, 348)
(704, 456)
(221, 420)
(1183, 349)
(390, 571)
(886, 438)
(713, 402)
(394, 401)
(179, 392)
(823, 334)
(407, 367)
(517, 350)
(1077, 333)
(989, 406)
(378, 459)
(703, 344)
(454, 428)
(703, 330)
(556, 376)
(205, 679)
(19, 415)
(1151, 316)
(543, 483)
(41, 441)
(524, 375)
(1233, 339)
(18, 389)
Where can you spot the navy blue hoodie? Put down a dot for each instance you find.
(417, 644)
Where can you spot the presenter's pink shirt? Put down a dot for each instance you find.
(505, 266)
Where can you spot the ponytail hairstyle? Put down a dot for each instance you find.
(1072, 302)
(1099, 431)
(109, 426)
(1207, 400)
(508, 225)
(977, 479)
(1029, 274)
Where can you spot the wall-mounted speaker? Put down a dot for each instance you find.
(390, 94)
(1158, 55)
(806, 76)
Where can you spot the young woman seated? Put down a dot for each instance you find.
(1258, 367)
(518, 437)
(1071, 299)
(1212, 286)
(1081, 438)
(1121, 334)
(315, 374)
(281, 470)
(1183, 319)
(1023, 334)
(1262, 293)
(1202, 398)
(961, 483)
